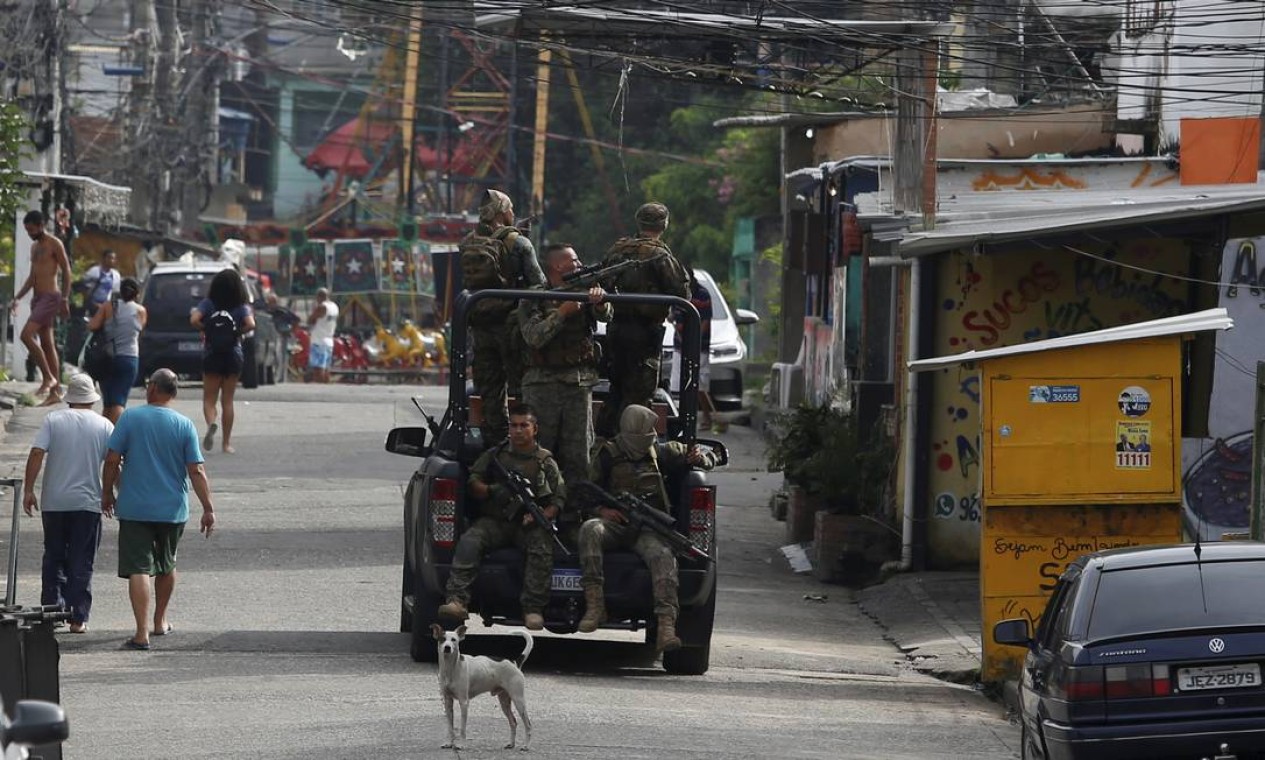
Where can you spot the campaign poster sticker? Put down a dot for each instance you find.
(1054, 394)
(1133, 445)
(1134, 401)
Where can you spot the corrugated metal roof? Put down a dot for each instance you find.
(1211, 319)
(966, 219)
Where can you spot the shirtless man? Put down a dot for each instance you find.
(48, 257)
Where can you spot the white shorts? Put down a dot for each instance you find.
(704, 371)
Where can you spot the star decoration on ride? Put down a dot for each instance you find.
(310, 269)
(353, 267)
(397, 266)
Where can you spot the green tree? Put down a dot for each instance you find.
(13, 147)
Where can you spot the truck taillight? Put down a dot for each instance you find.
(443, 512)
(703, 518)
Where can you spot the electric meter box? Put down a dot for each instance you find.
(1094, 425)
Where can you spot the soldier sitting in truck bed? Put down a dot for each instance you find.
(633, 462)
(500, 524)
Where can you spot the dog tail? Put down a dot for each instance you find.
(522, 658)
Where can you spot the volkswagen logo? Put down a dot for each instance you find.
(1216, 645)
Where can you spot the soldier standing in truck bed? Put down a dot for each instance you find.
(497, 255)
(635, 337)
(561, 364)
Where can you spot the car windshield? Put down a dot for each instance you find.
(169, 298)
(1174, 597)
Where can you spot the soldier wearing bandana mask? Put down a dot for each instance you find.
(633, 462)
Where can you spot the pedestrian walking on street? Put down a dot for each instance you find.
(497, 255)
(72, 442)
(160, 447)
(101, 281)
(633, 462)
(48, 301)
(123, 319)
(636, 332)
(492, 530)
(224, 316)
(323, 321)
(561, 364)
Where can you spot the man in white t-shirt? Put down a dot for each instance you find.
(323, 321)
(101, 281)
(74, 442)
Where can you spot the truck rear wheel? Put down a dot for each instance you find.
(694, 627)
(422, 643)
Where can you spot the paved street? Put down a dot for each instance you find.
(286, 645)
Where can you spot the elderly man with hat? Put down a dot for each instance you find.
(635, 336)
(74, 442)
(497, 255)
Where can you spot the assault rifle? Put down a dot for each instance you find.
(643, 515)
(522, 497)
(596, 274)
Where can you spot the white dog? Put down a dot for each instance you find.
(462, 677)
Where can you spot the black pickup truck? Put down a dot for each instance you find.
(435, 514)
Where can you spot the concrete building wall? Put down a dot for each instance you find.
(1071, 130)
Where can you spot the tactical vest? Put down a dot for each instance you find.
(641, 478)
(485, 263)
(532, 466)
(572, 346)
(642, 279)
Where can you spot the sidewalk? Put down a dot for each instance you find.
(934, 618)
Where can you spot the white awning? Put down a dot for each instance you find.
(1211, 319)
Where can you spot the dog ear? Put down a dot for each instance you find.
(461, 633)
(437, 631)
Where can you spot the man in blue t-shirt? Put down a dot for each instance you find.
(163, 457)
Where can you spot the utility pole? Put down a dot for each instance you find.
(541, 141)
(408, 111)
(200, 89)
(59, 85)
(914, 154)
(162, 137)
(141, 119)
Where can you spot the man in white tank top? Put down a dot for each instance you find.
(323, 321)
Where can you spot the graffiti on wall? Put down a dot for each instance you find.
(999, 300)
(1217, 471)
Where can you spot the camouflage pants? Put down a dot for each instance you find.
(496, 368)
(491, 533)
(565, 414)
(597, 536)
(634, 350)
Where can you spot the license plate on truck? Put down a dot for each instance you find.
(566, 579)
(1219, 677)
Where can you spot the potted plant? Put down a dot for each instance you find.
(838, 487)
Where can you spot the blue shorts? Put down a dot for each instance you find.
(320, 356)
(122, 375)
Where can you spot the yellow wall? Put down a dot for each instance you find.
(993, 300)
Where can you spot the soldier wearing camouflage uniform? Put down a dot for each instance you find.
(561, 364)
(492, 530)
(636, 331)
(496, 362)
(633, 462)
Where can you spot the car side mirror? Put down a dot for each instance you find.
(1012, 633)
(744, 317)
(409, 441)
(34, 723)
(717, 448)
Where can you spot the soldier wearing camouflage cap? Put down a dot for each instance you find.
(497, 255)
(636, 331)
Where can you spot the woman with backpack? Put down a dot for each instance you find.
(122, 319)
(223, 317)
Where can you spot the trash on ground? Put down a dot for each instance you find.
(820, 598)
(797, 555)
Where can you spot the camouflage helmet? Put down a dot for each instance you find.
(652, 216)
(494, 202)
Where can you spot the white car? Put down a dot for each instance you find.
(727, 352)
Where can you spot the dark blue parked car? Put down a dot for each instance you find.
(1150, 652)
